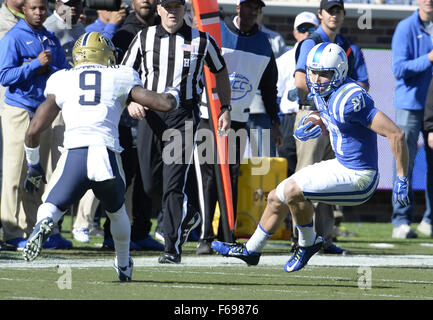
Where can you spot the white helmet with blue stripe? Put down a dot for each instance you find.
(326, 56)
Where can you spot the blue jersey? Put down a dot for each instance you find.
(347, 114)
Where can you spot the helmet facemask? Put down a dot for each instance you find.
(324, 57)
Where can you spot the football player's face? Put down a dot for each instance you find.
(320, 77)
(35, 12)
(171, 16)
(332, 18)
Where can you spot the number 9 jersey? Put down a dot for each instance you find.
(92, 98)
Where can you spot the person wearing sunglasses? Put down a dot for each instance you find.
(331, 15)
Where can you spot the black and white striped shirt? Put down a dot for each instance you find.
(174, 60)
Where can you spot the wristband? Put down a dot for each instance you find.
(175, 93)
(32, 155)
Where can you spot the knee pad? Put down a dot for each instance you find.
(279, 191)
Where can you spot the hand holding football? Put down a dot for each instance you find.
(315, 118)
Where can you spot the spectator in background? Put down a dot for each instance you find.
(305, 24)
(258, 118)
(331, 15)
(10, 13)
(29, 54)
(108, 22)
(65, 25)
(412, 58)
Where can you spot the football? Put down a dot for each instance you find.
(315, 118)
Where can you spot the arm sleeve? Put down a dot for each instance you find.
(12, 70)
(305, 47)
(213, 59)
(360, 66)
(404, 65)
(268, 88)
(133, 55)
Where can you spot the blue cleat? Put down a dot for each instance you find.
(236, 250)
(300, 257)
(124, 273)
(37, 239)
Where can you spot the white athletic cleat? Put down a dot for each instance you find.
(403, 232)
(81, 234)
(124, 273)
(425, 228)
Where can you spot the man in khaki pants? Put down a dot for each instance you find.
(29, 54)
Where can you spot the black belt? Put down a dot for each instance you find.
(307, 107)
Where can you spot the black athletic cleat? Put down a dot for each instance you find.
(169, 258)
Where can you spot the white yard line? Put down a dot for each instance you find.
(425, 261)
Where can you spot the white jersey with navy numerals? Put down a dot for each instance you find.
(347, 113)
(92, 98)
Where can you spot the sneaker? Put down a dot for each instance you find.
(149, 243)
(169, 258)
(300, 257)
(204, 247)
(124, 273)
(425, 228)
(190, 225)
(236, 250)
(159, 235)
(404, 232)
(108, 244)
(334, 249)
(37, 239)
(81, 234)
(17, 243)
(7, 247)
(56, 241)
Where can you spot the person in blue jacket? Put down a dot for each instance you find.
(29, 54)
(412, 57)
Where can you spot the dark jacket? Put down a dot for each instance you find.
(124, 36)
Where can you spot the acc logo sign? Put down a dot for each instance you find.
(241, 86)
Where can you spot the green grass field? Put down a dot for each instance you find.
(379, 268)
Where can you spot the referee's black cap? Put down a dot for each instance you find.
(164, 2)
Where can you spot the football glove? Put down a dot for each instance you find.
(307, 131)
(400, 192)
(35, 175)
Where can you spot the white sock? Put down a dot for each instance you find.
(306, 235)
(120, 228)
(258, 239)
(49, 210)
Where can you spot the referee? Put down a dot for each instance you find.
(172, 55)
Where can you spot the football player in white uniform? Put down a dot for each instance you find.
(92, 97)
(350, 179)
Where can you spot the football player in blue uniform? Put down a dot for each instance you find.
(350, 179)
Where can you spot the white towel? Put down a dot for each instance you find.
(98, 164)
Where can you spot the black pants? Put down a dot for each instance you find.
(207, 176)
(165, 144)
(288, 149)
(141, 202)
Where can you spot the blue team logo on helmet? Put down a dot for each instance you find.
(326, 56)
(241, 86)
